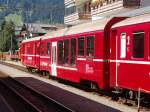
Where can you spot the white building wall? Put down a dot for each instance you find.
(75, 16)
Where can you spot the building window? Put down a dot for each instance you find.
(81, 46)
(123, 46)
(90, 46)
(60, 52)
(138, 44)
(48, 48)
(66, 51)
(70, 10)
(73, 52)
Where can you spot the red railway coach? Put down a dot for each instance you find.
(130, 54)
(108, 53)
(76, 53)
(30, 53)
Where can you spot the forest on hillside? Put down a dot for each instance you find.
(31, 11)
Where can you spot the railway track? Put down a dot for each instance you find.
(22, 98)
(121, 99)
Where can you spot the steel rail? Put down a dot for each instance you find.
(40, 95)
(19, 96)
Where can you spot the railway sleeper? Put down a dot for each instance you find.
(129, 97)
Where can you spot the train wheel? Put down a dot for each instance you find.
(29, 69)
(41, 73)
(45, 73)
(115, 93)
(93, 86)
(49, 76)
(115, 96)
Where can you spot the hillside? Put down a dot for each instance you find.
(31, 11)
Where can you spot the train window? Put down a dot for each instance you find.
(90, 46)
(48, 48)
(81, 46)
(138, 44)
(37, 49)
(42, 49)
(29, 49)
(25, 47)
(60, 52)
(149, 44)
(73, 52)
(123, 46)
(53, 54)
(66, 51)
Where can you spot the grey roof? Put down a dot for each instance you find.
(135, 12)
(134, 20)
(42, 28)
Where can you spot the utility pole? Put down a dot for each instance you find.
(51, 16)
(51, 13)
(7, 3)
(11, 46)
(2, 46)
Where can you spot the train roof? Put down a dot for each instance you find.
(133, 20)
(34, 39)
(82, 28)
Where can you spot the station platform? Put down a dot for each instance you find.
(18, 63)
(79, 100)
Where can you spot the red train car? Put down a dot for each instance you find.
(30, 53)
(109, 53)
(130, 54)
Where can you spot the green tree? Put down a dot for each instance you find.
(6, 35)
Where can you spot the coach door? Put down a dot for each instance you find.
(122, 71)
(37, 54)
(53, 55)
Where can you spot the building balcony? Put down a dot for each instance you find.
(84, 15)
(102, 8)
(67, 2)
(77, 2)
(77, 11)
(77, 18)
